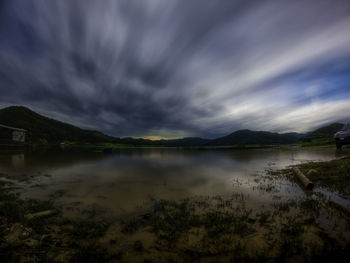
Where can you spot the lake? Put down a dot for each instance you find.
(93, 184)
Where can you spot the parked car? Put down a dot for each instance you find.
(342, 137)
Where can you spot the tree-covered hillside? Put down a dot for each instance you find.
(255, 137)
(326, 131)
(42, 128)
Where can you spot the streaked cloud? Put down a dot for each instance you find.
(178, 68)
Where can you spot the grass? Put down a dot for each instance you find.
(334, 175)
(318, 142)
(264, 218)
(131, 225)
(15, 208)
(89, 253)
(221, 227)
(47, 234)
(87, 229)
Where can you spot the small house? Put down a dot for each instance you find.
(11, 135)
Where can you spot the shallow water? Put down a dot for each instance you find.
(124, 182)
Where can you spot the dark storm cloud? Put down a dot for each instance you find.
(174, 68)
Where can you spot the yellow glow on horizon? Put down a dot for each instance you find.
(154, 138)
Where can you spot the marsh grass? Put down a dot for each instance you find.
(225, 226)
(205, 227)
(87, 229)
(89, 253)
(318, 142)
(15, 208)
(41, 234)
(334, 175)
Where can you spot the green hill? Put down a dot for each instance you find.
(255, 137)
(326, 131)
(41, 128)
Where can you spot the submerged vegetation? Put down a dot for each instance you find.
(199, 228)
(308, 227)
(45, 239)
(229, 231)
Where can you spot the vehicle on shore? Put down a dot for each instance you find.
(342, 137)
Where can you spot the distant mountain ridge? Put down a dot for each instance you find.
(189, 141)
(325, 131)
(255, 137)
(53, 131)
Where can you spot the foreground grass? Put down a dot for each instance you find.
(222, 230)
(45, 239)
(333, 175)
(318, 142)
(205, 229)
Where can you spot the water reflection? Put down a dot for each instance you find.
(17, 160)
(120, 182)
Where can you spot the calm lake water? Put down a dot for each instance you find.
(124, 182)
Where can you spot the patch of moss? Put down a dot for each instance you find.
(334, 175)
(88, 229)
(89, 253)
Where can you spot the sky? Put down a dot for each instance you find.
(178, 68)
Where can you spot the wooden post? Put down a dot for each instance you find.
(40, 214)
(303, 179)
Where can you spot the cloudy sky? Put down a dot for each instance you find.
(174, 68)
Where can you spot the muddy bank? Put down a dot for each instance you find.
(28, 233)
(198, 229)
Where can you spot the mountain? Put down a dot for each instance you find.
(42, 128)
(189, 141)
(295, 134)
(326, 131)
(255, 137)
